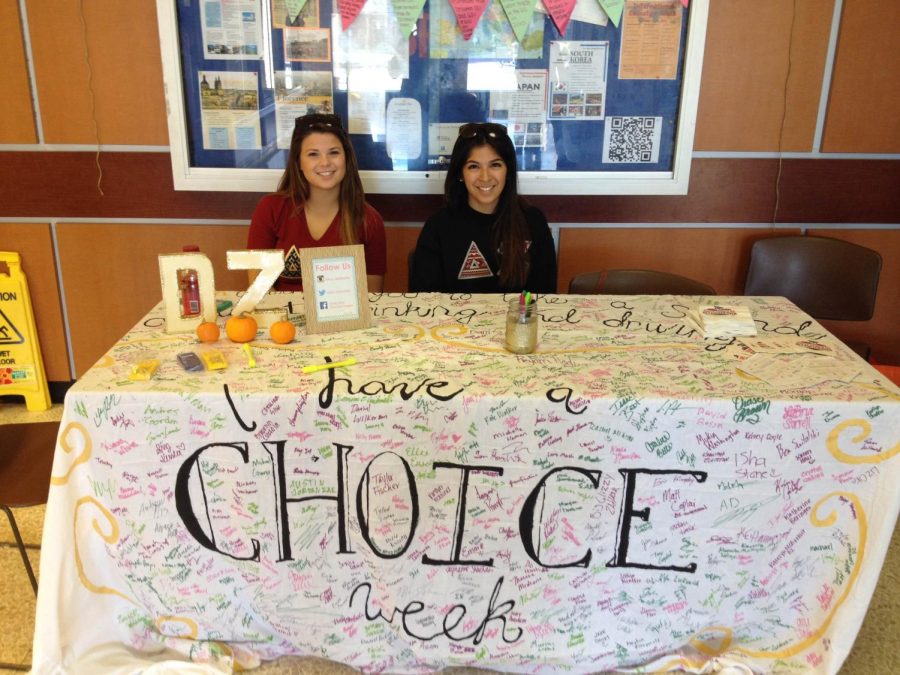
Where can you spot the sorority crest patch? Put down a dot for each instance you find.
(474, 266)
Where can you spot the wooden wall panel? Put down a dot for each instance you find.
(111, 275)
(139, 185)
(17, 120)
(124, 71)
(34, 244)
(716, 256)
(400, 242)
(750, 45)
(726, 191)
(134, 185)
(865, 88)
(840, 191)
(883, 330)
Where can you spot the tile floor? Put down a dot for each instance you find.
(16, 596)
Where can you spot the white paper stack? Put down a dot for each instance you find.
(781, 344)
(724, 320)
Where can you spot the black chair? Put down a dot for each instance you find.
(26, 460)
(636, 282)
(826, 278)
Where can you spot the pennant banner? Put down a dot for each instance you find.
(519, 13)
(349, 10)
(468, 12)
(407, 13)
(560, 11)
(613, 9)
(294, 7)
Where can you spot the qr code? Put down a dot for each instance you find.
(632, 140)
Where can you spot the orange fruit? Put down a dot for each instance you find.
(282, 332)
(240, 328)
(208, 331)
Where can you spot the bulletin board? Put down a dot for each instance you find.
(605, 107)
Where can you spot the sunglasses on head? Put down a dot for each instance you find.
(318, 120)
(473, 129)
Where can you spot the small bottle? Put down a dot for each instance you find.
(189, 286)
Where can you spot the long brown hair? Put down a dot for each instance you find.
(293, 183)
(510, 229)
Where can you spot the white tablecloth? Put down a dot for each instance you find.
(625, 498)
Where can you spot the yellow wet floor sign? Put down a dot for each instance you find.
(21, 367)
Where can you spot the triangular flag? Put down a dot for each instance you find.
(9, 334)
(294, 7)
(560, 11)
(613, 9)
(407, 13)
(468, 12)
(349, 10)
(519, 13)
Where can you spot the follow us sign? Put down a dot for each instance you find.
(21, 367)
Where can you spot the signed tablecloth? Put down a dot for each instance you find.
(626, 498)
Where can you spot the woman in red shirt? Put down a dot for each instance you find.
(319, 202)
